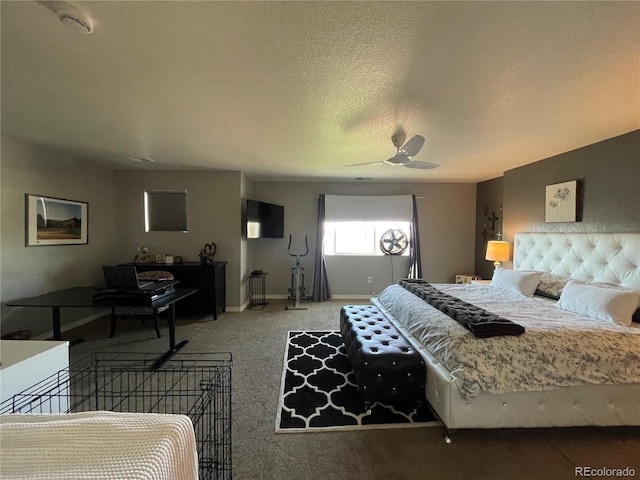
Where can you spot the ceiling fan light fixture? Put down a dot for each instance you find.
(398, 139)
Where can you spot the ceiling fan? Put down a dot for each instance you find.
(405, 153)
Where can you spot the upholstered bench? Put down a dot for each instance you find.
(386, 366)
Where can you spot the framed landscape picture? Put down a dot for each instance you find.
(55, 221)
(561, 202)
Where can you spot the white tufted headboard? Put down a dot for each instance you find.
(590, 257)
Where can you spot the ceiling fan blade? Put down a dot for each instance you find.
(413, 146)
(363, 164)
(399, 159)
(419, 164)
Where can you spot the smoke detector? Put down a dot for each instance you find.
(78, 21)
(70, 16)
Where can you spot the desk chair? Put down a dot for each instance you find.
(141, 311)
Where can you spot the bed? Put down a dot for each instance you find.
(590, 378)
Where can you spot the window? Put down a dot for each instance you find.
(165, 210)
(359, 238)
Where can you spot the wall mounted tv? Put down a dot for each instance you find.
(264, 220)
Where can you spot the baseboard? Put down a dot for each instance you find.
(355, 297)
(334, 297)
(245, 305)
(72, 325)
(239, 309)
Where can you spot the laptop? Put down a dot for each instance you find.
(126, 278)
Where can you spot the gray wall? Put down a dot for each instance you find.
(609, 172)
(213, 215)
(446, 219)
(488, 201)
(246, 253)
(28, 271)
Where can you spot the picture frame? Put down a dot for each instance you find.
(561, 202)
(177, 259)
(168, 259)
(55, 221)
(160, 258)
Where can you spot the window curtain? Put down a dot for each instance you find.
(321, 290)
(415, 260)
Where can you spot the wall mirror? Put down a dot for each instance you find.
(165, 210)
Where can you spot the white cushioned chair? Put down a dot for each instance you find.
(141, 311)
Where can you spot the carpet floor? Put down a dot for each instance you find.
(257, 341)
(319, 391)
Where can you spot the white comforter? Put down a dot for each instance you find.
(558, 349)
(98, 445)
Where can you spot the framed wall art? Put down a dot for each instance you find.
(55, 221)
(561, 201)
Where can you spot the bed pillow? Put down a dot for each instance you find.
(616, 287)
(518, 281)
(610, 305)
(635, 318)
(551, 285)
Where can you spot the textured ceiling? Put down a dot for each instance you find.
(299, 89)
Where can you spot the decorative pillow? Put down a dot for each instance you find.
(551, 285)
(517, 281)
(611, 305)
(617, 288)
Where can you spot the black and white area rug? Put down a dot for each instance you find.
(319, 391)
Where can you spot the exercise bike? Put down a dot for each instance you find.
(297, 249)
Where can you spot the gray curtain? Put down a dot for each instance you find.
(415, 260)
(321, 290)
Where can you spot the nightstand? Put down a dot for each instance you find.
(466, 278)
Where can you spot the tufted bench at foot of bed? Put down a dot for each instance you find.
(387, 368)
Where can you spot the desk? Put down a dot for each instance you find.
(208, 279)
(82, 297)
(77, 297)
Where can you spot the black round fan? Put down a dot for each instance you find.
(394, 242)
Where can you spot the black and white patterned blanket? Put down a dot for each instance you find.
(477, 320)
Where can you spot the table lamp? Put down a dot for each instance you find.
(497, 251)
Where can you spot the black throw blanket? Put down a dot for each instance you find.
(481, 323)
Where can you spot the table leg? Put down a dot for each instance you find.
(173, 348)
(172, 326)
(55, 313)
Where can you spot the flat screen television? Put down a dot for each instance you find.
(264, 220)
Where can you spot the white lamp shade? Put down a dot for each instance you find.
(497, 251)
